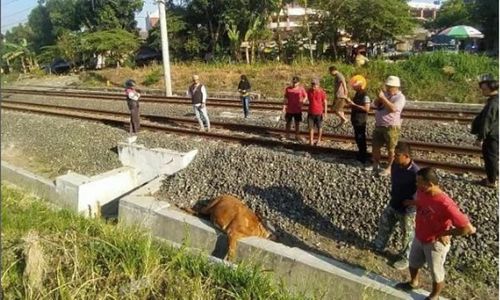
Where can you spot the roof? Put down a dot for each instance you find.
(416, 4)
(155, 14)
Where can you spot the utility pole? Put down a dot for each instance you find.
(164, 47)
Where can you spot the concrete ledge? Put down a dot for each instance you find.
(86, 195)
(152, 162)
(316, 276)
(38, 185)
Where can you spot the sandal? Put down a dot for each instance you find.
(405, 286)
(488, 184)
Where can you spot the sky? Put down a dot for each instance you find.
(14, 12)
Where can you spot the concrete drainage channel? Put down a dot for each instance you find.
(129, 192)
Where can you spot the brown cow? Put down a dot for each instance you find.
(233, 217)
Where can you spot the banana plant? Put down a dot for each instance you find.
(20, 52)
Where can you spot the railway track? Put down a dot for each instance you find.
(273, 132)
(408, 113)
(153, 123)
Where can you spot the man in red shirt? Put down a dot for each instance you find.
(295, 96)
(438, 218)
(317, 110)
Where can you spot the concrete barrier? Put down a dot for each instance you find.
(86, 195)
(38, 185)
(150, 163)
(314, 275)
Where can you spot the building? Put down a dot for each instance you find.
(152, 19)
(292, 17)
(424, 11)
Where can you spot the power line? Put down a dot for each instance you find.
(5, 26)
(18, 12)
(12, 1)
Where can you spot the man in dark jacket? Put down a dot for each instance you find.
(485, 127)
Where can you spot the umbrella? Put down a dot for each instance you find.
(462, 32)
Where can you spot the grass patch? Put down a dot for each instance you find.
(153, 77)
(79, 258)
(437, 76)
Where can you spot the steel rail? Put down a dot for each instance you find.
(416, 145)
(410, 113)
(108, 117)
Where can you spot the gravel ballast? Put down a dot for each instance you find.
(316, 202)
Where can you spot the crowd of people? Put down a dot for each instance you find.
(427, 215)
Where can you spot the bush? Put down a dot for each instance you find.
(153, 77)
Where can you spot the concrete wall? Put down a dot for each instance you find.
(86, 195)
(40, 186)
(300, 271)
(314, 275)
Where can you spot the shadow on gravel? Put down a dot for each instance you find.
(290, 204)
(291, 240)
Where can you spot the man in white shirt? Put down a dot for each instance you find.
(198, 95)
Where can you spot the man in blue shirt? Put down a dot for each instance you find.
(403, 187)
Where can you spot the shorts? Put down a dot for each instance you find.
(297, 117)
(314, 120)
(338, 104)
(434, 254)
(386, 136)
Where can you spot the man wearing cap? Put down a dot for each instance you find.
(360, 106)
(388, 107)
(317, 110)
(485, 127)
(295, 96)
(198, 94)
(132, 97)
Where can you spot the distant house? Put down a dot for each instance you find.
(152, 19)
(291, 17)
(424, 11)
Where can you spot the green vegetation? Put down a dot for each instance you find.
(153, 77)
(437, 76)
(59, 255)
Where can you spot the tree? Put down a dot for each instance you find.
(486, 12)
(211, 15)
(68, 47)
(98, 15)
(379, 20)
(39, 21)
(18, 52)
(234, 38)
(454, 12)
(116, 43)
(335, 17)
(179, 39)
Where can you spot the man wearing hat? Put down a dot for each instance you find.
(388, 107)
(295, 96)
(317, 110)
(485, 127)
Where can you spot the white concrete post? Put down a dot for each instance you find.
(164, 47)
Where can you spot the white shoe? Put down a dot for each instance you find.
(132, 139)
